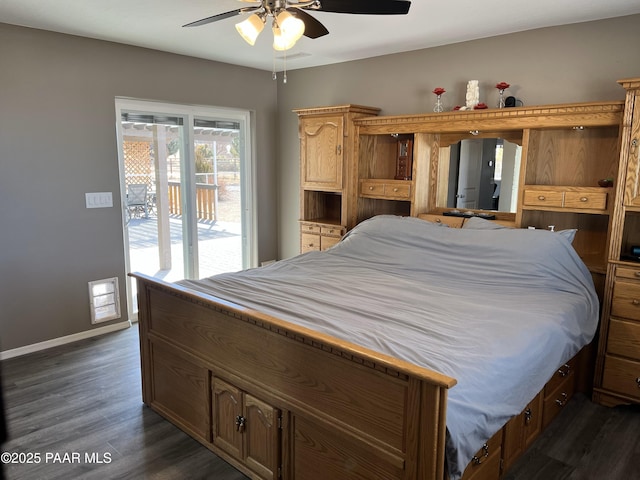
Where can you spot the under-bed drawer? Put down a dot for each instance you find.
(556, 398)
(485, 464)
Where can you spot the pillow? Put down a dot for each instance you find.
(569, 234)
(478, 223)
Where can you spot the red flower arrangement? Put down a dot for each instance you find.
(502, 86)
(480, 106)
(439, 90)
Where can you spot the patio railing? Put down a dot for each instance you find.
(206, 202)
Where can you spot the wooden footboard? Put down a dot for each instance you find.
(281, 401)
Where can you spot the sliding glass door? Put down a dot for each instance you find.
(186, 188)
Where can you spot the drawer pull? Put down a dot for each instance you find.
(635, 302)
(527, 416)
(637, 274)
(564, 370)
(485, 453)
(541, 197)
(438, 220)
(370, 188)
(395, 189)
(584, 199)
(561, 402)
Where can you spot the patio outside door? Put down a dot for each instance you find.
(192, 167)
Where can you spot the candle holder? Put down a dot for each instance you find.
(502, 86)
(438, 93)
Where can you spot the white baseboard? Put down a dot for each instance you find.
(36, 347)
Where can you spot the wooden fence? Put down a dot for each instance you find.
(205, 201)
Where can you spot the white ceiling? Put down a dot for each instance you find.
(158, 24)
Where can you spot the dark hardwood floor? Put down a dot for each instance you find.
(84, 399)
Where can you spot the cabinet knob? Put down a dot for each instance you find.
(637, 274)
(527, 416)
(370, 188)
(634, 144)
(541, 197)
(635, 302)
(584, 199)
(638, 382)
(395, 189)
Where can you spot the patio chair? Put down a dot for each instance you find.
(137, 200)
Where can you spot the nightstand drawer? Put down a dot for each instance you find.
(628, 273)
(587, 200)
(624, 338)
(626, 300)
(543, 198)
(622, 376)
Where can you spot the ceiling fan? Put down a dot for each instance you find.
(291, 21)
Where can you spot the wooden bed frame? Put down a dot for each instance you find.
(277, 400)
(280, 401)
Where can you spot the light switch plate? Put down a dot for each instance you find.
(99, 199)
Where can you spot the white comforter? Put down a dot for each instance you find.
(498, 310)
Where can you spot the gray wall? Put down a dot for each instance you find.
(573, 63)
(58, 141)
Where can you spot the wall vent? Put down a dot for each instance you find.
(104, 299)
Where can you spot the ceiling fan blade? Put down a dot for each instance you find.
(312, 27)
(366, 7)
(215, 18)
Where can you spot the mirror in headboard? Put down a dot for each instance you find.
(479, 171)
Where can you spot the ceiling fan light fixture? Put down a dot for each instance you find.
(290, 26)
(280, 41)
(250, 28)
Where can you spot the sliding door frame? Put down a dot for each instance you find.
(246, 119)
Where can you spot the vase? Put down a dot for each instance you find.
(501, 98)
(438, 107)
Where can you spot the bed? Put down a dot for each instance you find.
(395, 354)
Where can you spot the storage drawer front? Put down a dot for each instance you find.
(561, 374)
(397, 191)
(486, 462)
(373, 189)
(624, 338)
(328, 242)
(626, 300)
(455, 222)
(622, 376)
(546, 198)
(589, 200)
(309, 228)
(332, 231)
(309, 242)
(557, 399)
(627, 272)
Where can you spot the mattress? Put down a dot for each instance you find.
(499, 310)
